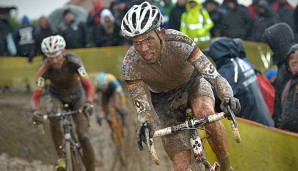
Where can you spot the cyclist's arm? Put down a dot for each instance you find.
(140, 100)
(35, 99)
(209, 72)
(87, 84)
(40, 82)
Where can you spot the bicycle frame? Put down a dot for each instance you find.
(70, 146)
(195, 141)
(117, 133)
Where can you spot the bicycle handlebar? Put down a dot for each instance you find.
(60, 115)
(56, 115)
(189, 124)
(194, 124)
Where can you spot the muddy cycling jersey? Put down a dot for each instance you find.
(179, 57)
(67, 83)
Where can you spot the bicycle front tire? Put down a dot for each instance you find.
(68, 156)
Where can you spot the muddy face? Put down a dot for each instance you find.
(148, 45)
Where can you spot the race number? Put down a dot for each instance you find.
(140, 106)
(40, 82)
(82, 72)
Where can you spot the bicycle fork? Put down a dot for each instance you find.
(198, 151)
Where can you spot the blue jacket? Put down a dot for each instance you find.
(224, 51)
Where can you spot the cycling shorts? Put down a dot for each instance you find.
(170, 108)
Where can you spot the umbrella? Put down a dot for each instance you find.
(56, 17)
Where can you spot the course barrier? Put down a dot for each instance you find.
(16, 71)
(261, 148)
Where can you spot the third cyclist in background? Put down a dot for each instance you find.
(112, 94)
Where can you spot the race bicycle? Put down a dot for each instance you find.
(193, 125)
(117, 129)
(70, 146)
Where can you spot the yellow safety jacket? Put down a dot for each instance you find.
(196, 22)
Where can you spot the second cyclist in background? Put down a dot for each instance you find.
(112, 94)
(67, 82)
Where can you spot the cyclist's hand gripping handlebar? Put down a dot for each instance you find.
(149, 142)
(37, 120)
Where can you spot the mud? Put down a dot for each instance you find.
(20, 139)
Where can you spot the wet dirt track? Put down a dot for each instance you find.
(19, 138)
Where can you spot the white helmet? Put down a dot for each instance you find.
(141, 19)
(52, 46)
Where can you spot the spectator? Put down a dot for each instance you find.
(176, 13)
(196, 22)
(271, 2)
(216, 16)
(296, 23)
(94, 15)
(166, 5)
(242, 55)
(289, 116)
(271, 75)
(7, 45)
(107, 33)
(266, 87)
(44, 30)
(93, 19)
(73, 31)
(280, 38)
(120, 7)
(237, 21)
(285, 12)
(252, 8)
(223, 7)
(225, 53)
(24, 39)
(265, 18)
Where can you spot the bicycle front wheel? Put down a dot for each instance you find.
(68, 156)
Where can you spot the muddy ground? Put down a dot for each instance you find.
(19, 138)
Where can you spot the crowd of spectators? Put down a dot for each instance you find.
(274, 22)
(200, 21)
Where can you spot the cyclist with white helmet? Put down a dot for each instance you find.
(68, 82)
(112, 95)
(179, 76)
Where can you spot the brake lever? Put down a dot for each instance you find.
(232, 116)
(147, 137)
